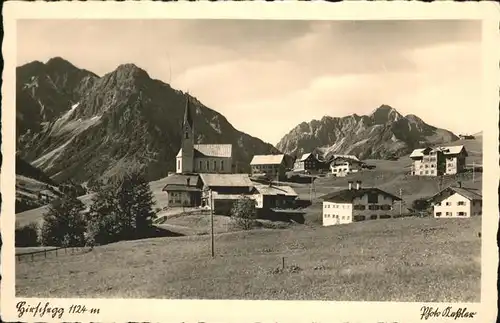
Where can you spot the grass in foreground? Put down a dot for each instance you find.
(410, 259)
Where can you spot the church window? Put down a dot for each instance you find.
(221, 165)
(178, 164)
(215, 165)
(201, 165)
(208, 165)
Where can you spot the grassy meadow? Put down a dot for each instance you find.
(406, 259)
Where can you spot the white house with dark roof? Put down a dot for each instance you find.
(438, 161)
(272, 166)
(457, 202)
(201, 158)
(341, 166)
(357, 204)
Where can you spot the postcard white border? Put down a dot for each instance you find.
(141, 310)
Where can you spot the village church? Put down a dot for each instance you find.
(201, 158)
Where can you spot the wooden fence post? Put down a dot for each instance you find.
(45, 253)
(283, 262)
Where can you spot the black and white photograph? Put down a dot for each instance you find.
(337, 160)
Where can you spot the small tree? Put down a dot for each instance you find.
(103, 222)
(64, 223)
(244, 213)
(421, 205)
(141, 208)
(27, 235)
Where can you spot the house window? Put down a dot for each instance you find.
(448, 213)
(215, 165)
(373, 207)
(208, 165)
(461, 213)
(385, 207)
(201, 165)
(461, 203)
(438, 204)
(438, 213)
(372, 198)
(221, 165)
(448, 203)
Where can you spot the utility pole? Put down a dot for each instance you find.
(400, 201)
(212, 223)
(311, 189)
(473, 172)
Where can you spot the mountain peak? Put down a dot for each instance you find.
(385, 114)
(59, 62)
(129, 70)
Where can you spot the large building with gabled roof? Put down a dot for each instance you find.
(438, 161)
(201, 158)
(357, 203)
(457, 202)
(272, 166)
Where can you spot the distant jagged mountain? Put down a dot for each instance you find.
(73, 124)
(382, 134)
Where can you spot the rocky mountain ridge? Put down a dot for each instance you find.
(382, 134)
(73, 124)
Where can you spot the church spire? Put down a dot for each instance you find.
(188, 119)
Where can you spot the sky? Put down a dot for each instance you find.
(268, 76)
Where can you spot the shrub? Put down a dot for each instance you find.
(244, 213)
(27, 235)
(421, 205)
(64, 223)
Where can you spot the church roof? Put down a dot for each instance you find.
(211, 150)
(188, 118)
(214, 150)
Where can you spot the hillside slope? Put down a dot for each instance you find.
(75, 125)
(381, 134)
(33, 187)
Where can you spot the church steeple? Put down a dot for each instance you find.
(188, 118)
(185, 158)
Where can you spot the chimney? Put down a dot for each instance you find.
(188, 180)
(358, 185)
(350, 185)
